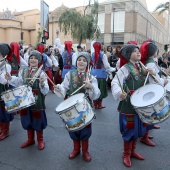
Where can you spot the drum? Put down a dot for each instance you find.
(151, 104)
(18, 98)
(167, 87)
(76, 112)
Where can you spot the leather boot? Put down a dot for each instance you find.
(100, 106)
(5, 131)
(76, 150)
(1, 126)
(127, 153)
(86, 155)
(156, 126)
(145, 139)
(30, 141)
(40, 140)
(134, 153)
(95, 103)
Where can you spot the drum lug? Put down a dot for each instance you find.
(83, 120)
(66, 127)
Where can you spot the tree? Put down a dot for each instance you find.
(80, 26)
(162, 7)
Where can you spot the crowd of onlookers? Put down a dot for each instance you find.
(111, 53)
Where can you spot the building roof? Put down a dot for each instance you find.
(7, 15)
(56, 13)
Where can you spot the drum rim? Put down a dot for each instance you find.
(81, 126)
(161, 120)
(14, 89)
(81, 100)
(164, 95)
(20, 108)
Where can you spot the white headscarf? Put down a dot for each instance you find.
(59, 46)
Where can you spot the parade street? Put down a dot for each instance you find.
(106, 144)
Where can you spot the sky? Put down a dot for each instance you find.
(23, 5)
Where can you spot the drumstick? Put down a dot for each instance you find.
(80, 87)
(150, 74)
(52, 83)
(146, 78)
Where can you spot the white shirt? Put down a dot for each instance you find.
(53, 61)
(3, 72)
(23, 63)
(74, 58)
(65, 85)
(155, 69)
(18, 81)
(106, 64)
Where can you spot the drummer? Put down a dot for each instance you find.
(129, 78)
(5, 118)
(149, 52)
(33, 118)
(72, 81)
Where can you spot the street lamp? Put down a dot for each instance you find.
(52, 30)
(21, 35)
(115, 10)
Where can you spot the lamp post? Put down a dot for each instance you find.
(168, 24)
(52, 30)
(21, 35)
(115, 10)
(113, 27)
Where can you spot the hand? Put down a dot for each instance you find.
(165, 82)
(150, 71)
(60, 72)
(8, 76)
(123, 96)
(41, 80)
(88, 85)
(56, 88)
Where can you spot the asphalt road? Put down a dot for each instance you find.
(106, 144)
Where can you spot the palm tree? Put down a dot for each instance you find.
(80, 26)
(162, 7)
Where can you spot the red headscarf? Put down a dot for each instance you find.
(144, 51)
(132, 42)
(97, 48)
(40, 48)
(15, 47)
(68, 46)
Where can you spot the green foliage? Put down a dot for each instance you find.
(80, 26)
(162, 7)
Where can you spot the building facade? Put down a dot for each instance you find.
(119, 21)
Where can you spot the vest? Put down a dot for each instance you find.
(39, 97)
(98, 69)
(76, 81)
(135, 80)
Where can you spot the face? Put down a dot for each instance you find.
(1, 57)
(109, 49)
(81, 64)
(33, 61)
(79, 49)
(135, 56)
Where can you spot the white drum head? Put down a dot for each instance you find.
(71, 101)
(147, 95)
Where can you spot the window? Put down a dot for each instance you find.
(101, 21)
(119, 21)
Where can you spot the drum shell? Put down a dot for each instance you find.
(18, 98)
(78, 115)
(156, 112)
